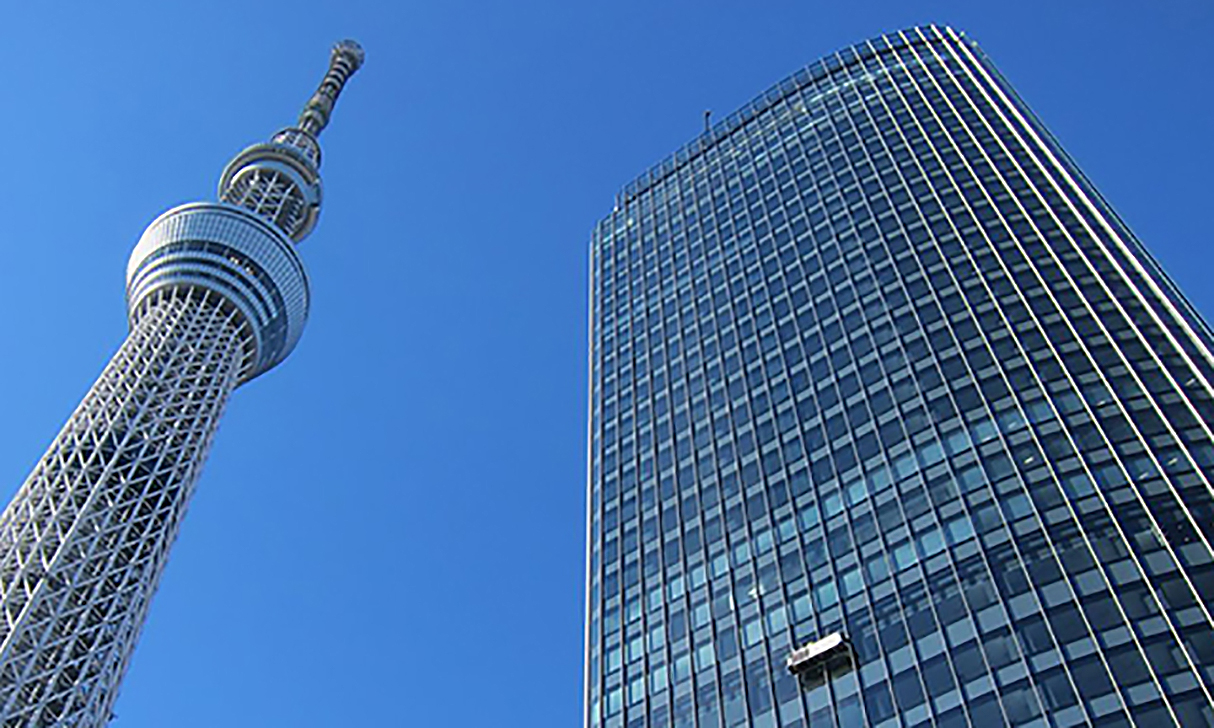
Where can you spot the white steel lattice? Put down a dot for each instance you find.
(216, 296)
(83, 544)
(271, 194)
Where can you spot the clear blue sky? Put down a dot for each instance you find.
(390, 530)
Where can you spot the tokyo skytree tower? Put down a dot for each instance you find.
(216, 295)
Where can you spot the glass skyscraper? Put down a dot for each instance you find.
(873, 359)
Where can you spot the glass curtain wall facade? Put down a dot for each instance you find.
(873, 357)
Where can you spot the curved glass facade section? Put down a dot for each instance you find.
(873, 358)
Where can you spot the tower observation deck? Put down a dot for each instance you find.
(216, 295)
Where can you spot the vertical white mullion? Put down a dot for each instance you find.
(1203, 607)
(1070, 379)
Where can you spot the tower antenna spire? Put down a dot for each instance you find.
(279, 180)
(346, 58)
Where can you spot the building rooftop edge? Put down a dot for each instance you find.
(751, 110)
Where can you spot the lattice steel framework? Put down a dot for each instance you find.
(217, 295)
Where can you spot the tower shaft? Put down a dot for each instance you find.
(216, 295)
(85, 541)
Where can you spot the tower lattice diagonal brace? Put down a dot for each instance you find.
(216, 295)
